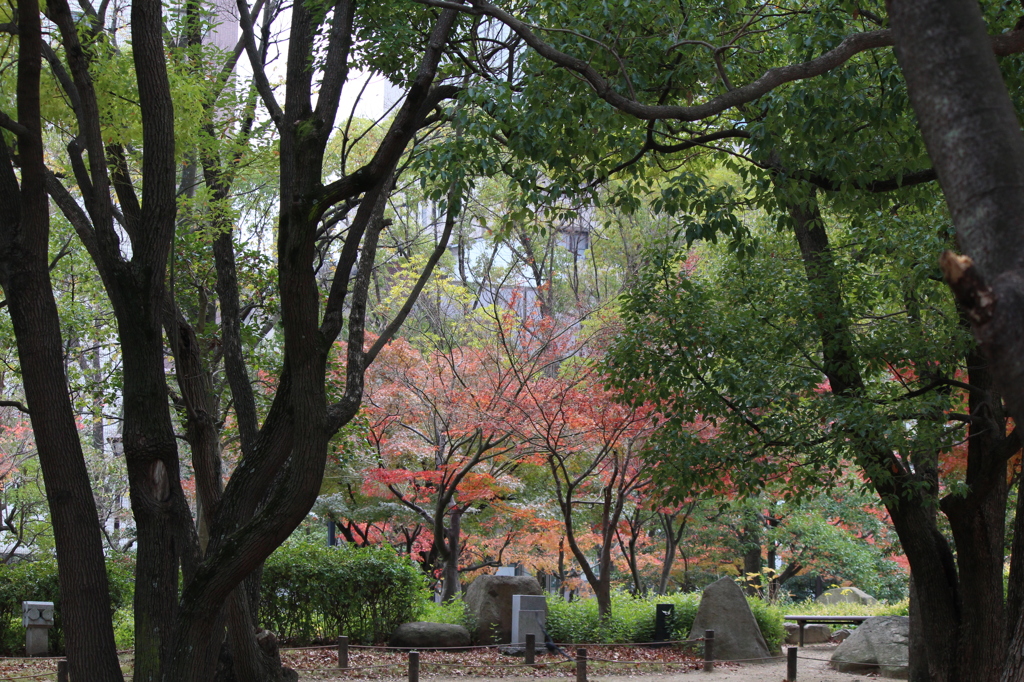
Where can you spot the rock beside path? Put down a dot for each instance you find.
(489, 602)
(425, 635)
(877, 645)
(724, 609)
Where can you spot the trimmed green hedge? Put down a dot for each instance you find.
(37, 581)
(312, 593)
(632, 619)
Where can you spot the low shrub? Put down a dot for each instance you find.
(577, 621)
(453, 612)
(683, 615)
(37, 581)
(311, 592)
(632, 619)
(770, 618)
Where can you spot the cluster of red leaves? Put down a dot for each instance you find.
(622, 661)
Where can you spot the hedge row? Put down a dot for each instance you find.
(311, 592)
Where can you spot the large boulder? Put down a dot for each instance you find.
(425, 635)
(877, 645)
(845, 595)
(489, 602)
(724, 609)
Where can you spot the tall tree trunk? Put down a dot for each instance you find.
(917, 649)
(977, 519)
(24, 274)
(973, 137)
(961, 610)
(904, 493)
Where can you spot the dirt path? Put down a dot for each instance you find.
(812, 666)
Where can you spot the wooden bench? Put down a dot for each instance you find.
(829, 620)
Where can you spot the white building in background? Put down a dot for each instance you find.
(225, 30)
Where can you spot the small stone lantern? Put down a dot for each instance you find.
(37, 617)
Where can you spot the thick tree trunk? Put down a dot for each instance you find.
(24, 274)
(85, 596)
(917, 649)
(973, 137)
(977, 520)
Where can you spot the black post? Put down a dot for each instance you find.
(332, 533)
(531, 647)
(414, 666)
(662, 616)
(62, 671)
(791, 664)
(343, 651)
(709, 650)
(581, 665)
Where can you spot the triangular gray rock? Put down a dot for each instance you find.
(724, 609)
(877, 645)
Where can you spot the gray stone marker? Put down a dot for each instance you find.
(37, 617)
(529, 616)
(489, 602)
(724, 609)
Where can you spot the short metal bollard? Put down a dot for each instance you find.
(709, 650)
(414, 666)
(531, 648)
(581, 665)
(343, 651)
(62, 671)
(791, 664)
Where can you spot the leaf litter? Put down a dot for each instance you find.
(621, 661)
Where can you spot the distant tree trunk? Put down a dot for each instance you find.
(451, 588)
(673, 535)
(666, 567)
(753, 561)
(635, 522)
